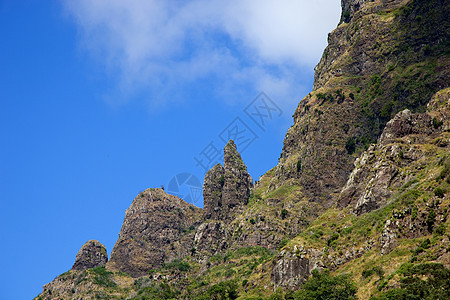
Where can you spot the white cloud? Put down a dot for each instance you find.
(158, 47)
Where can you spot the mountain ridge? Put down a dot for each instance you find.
(361, 188)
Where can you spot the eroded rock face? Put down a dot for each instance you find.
(157, 228)
(91, 255)
(291, 268)
(380, 169)
(315, 153)
(226, 189)
(210, 238)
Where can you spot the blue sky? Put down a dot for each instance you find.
(101, 100)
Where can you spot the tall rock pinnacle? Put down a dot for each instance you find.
(226, 189)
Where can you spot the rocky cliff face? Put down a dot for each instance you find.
(158, 228)
(292, 267)
(384, 57)
(401, 148)
(91, 255)
(394, 179)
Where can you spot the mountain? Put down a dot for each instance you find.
(357, 206)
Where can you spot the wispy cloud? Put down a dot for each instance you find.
(162, 47)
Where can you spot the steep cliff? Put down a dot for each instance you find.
(384, 57)
(399, 187)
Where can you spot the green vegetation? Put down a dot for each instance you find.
(331, 241)
(440, 230)
(177, 264)
(299, 165)
(283, 243)
(350, 145)
(282, 191)
(439, 192)
(158, 292)
(102, 277)
(431, 219)
(445, 171)
(321, 285)
(378, 270)
(421, 248)
(346, 16)
(423, 281)
(374, 86)
(225, 290)
(437, 123)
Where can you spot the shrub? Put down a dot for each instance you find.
(423, 281)
(366, 273)
(179, 265)
(284, 213)
(444, 173)
(226, 290)
(414, 212)
(230, 272)
(346, 16)
(350, 145)
(440, 230)
(332, 239)
(375, 85)
(324, 286)
(386, 110)
(439, 192)
(321, 96)
(421, 248)
(283, 243)
(157, 291)
(437, 123)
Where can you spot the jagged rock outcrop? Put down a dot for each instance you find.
(413, 222)
(157, 228)
(91, 255)
(381, 169)
(226, 189)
